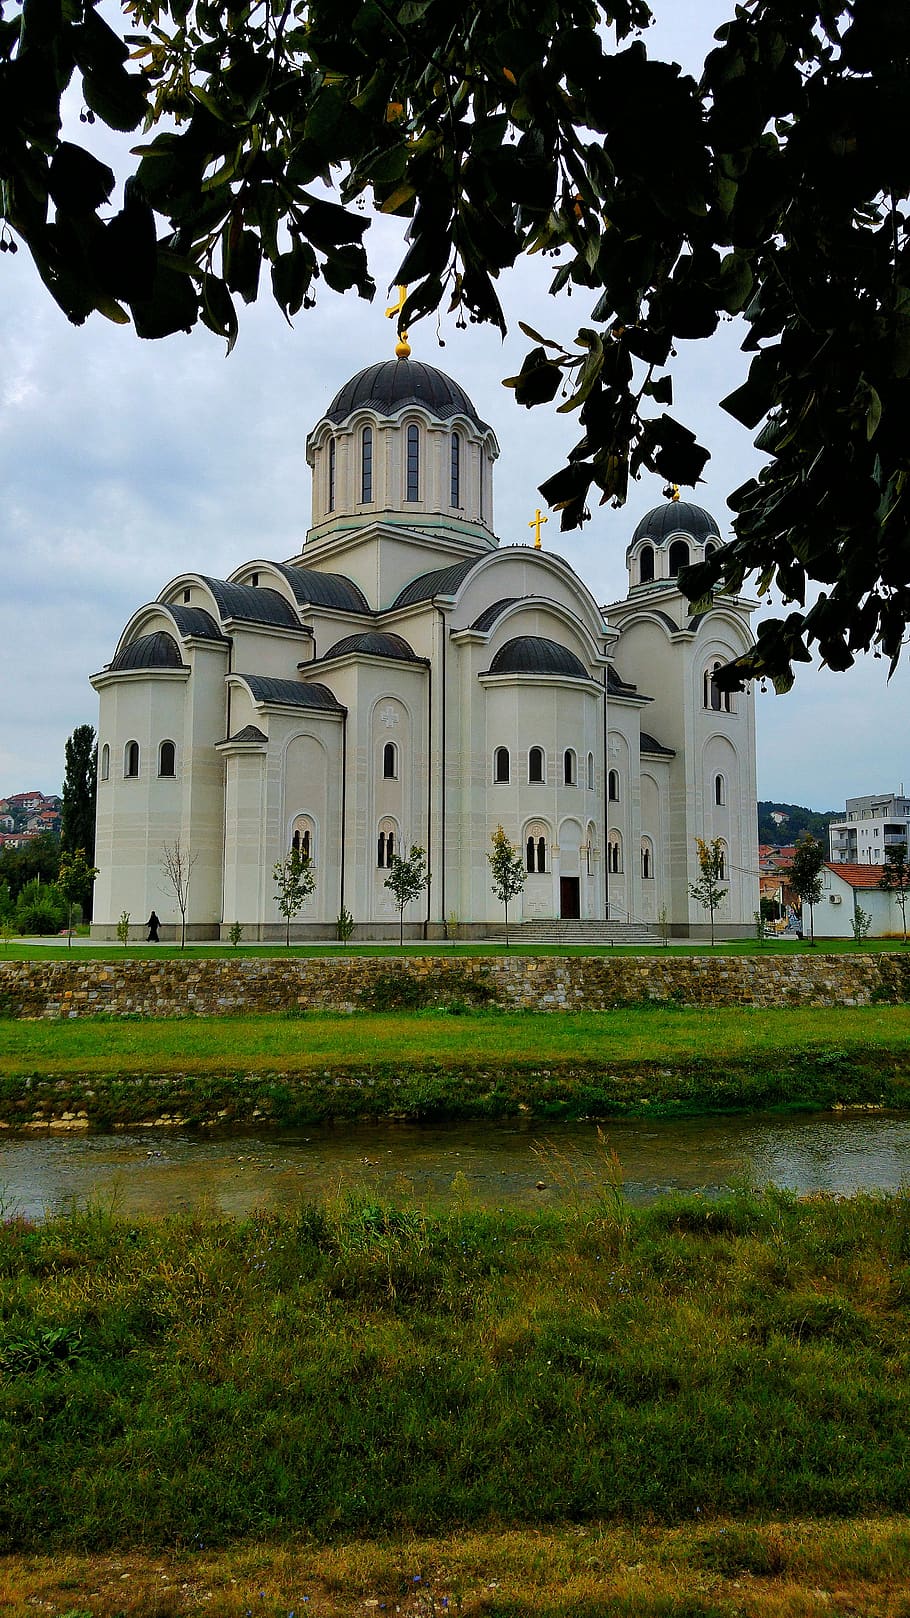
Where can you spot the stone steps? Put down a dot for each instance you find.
(579, 932)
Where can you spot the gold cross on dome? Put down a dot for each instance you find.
(537, 522)
(402, 347)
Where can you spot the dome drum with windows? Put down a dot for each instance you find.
(407, 678)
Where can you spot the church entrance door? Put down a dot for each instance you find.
(569, 898)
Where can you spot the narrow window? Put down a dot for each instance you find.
(331, 505)
(501, 764)
(366, 466)
(380, 850)
(105, 763)
(568, 767)
(295, 842)
(541, 853)
(131, 760)
(722, 864)
(535, 764)
(529, 854)
(646, 862)
(390, 762)
(305, 845)
(389, 849)
(413, 463)
(456, 471)
(614, 853)
(720, 793)
(590, 772)
(254, 580)
(613, 786)
(679, 557)
(715, 698)
(167, 759)
(646, 565)
(187, 597)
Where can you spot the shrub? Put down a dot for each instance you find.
(40, 909)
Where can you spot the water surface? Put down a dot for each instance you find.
(491, 1164)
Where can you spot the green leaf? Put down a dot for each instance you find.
(77, 181)
(117, 97)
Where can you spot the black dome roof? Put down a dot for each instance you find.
(375, 643)
(156, 651)
(531, 654)
(391, 385)
(676, 517)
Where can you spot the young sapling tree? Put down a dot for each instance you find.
(507, 871)
(895, 878)
(804, 875)
(295, 880)
(177, 865)
(707, 891)
(407, 879)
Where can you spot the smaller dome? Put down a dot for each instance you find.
(374, 643)
(676, 517)
(391, 385)
(156, 651)
(531, 654)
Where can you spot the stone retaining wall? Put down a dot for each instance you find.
(206, 987)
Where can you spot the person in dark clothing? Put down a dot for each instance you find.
(153, 925)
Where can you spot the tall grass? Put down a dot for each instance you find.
(366, 1369)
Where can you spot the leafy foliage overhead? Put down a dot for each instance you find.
(775, 189)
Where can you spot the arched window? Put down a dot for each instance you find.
(303, 838)
(536, 849)
(720, 701)
(167, 759)
(536, 764)
(647, 860)
(366, 466)
(720, 789)
(613, 786)
(456, 472)
(413, 484)
(131, 760)
(722, 863)
(390, 762)
(590, 772)
(385, 845)
(710, 548)
(331, 500)
(679, 557)
(646, 564)
(501, 764)
(614, 852)
(569, 768)
(105, 763)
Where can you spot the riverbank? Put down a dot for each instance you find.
(725, 1569)
(363, 1371)
(643, 1061)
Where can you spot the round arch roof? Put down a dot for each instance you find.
(156, 651)
(532, 654)
(389, 386)
(676, 517)
(375, 643)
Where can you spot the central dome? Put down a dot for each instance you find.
(391, 385)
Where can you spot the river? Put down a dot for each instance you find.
(527, 1165)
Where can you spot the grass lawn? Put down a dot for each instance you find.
(725, 1569)
(697, 1408)
(297, 1044)
(18, 950)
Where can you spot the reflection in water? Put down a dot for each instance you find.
(493, 1165)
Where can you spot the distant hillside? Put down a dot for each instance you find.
(798, 820)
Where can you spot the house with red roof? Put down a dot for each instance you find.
(848, 887)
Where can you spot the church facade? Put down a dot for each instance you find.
(408, 679)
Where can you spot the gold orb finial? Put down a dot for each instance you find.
(675, 494)
(402, 347)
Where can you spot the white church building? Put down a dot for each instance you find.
(409, 679)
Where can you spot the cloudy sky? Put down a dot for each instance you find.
(122, 463)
